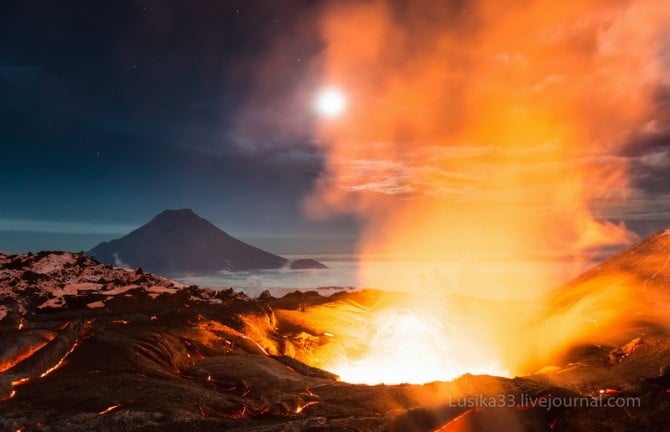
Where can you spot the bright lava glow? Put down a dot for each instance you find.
(408, 347)
(330, 102)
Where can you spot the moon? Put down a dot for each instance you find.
(330, 102)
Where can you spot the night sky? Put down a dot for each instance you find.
(111, 112)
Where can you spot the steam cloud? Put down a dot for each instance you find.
(485, 132)
(510, 117)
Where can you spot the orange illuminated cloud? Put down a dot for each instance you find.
(488, 108)
(480, 134)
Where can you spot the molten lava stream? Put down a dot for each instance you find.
(108, 409)
(412, 346)
(60, 362)
(299, 408)
(24, 355)
(11, 395)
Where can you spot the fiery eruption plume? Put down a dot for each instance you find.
(479, 135)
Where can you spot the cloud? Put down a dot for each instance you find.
(509, 124)
(526, 107)
(656, 160)
(276, 112)
(533, 105)
(386, 186)
(58, 227)
(648, 155)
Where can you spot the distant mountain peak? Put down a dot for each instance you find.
(177, 212)
(180, 241)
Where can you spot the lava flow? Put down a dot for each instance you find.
(109, 409)
(262, 361)
(60, 361)
(407, 347)
(19, 357)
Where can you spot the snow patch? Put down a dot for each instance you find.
(53, 262)
(73, 289)
(161, 289)
(70, 275)
(120, 290)
(54, 303)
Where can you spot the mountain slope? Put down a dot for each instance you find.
(643, 269)
(84, 346)
(648, 261)
(624, 298)
(179, 241)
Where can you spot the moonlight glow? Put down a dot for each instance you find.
(330, 102)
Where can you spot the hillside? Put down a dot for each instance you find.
(179, 241)
(86, 346)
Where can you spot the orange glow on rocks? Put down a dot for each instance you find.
(405, 347)
(18, 382)
(11, 395)
(29, 351)
(299, 408)
(483, 137)
(61, 361)
(108, 409)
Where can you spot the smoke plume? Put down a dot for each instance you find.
(485, 132)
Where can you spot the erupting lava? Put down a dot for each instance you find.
(482, 138)
(405, 347)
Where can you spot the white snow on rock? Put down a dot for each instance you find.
(73, 289)
(120, 290)
(54, 303)
(50, 280)
(158, 289)
(52, 263)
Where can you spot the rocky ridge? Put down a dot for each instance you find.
(85, 346)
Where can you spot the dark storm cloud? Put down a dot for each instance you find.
(648, 150)
(649, 169)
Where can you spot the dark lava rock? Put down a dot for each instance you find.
(265, 295)
(144, 353)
